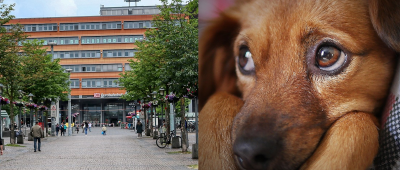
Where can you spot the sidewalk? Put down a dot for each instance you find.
(119, 149)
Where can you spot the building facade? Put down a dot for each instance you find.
(97, 49)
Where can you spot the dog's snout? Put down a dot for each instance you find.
(255, 152)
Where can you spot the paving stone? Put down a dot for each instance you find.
(119, 149)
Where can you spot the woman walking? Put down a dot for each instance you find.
(139, 128)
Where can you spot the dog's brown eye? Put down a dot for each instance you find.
(245, 60)
(330, 58)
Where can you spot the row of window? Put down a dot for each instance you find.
(94, 67)
(111, 39)
(90, 26)
(90, 40)
(58, 40)
(119, 53)
(137, 24)
(76, 54)
(130, 11)
(83, 26)
(95, 83)
(35, 27)
(93, 54)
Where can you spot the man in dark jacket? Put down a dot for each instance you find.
(139, 128)
(36, 132)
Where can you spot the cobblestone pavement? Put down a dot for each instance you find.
(119, 149)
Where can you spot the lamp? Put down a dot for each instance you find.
(52, 51)
(69, 104)
(31, 116)
(154, 94)
(161, 91)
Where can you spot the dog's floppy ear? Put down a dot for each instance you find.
(216, 60)
(385, 17)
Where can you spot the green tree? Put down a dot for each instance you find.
(10, 61)
(169, 55)
(27, 67)
(44, 78)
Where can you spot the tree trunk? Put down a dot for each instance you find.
(167, 119)
(184, 144)
(12, 117)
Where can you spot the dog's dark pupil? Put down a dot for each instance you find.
(326, 53)
(242, 58)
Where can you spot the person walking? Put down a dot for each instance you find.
(65, 128)
(139, 128)
(86, 127)
(104, 129)
(77, 128)
(36, 133)
(83, 127)
(1, 146)
(90, 125)
(62, 129)
(57, 129)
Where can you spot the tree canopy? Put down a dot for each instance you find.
(26, 66)
(169, 54)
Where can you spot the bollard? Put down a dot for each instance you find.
(175, 142)
(148, 131)
(195, 151)
(155, 135)
(20, 139)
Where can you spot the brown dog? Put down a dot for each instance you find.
(295, 84)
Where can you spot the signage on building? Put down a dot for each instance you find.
(111, 95)
(96, 95)
(53, 110)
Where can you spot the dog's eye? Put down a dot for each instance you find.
(245, 60)
(330, 58)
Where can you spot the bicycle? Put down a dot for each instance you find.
(163, 141)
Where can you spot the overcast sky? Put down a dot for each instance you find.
(62, 8)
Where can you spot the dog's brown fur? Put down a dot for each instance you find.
(310, 119)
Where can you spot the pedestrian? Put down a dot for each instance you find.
(36, 133)
(139, 128)
(65, 128)
(104, 129)
(62, 129)
(90, 125)
(77, 128)
(1, 146)
(83, 126)
(86, 127)
(57, 129)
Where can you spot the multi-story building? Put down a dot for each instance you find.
(97, 49)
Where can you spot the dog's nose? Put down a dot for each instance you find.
(254, 153)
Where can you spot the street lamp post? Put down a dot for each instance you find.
(161, 92)
(53, 120)
(30, 138)
(52, 52)
(154, 106)
(69, 103)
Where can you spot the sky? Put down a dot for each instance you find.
(64, 8)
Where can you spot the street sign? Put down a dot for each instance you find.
(53, 110)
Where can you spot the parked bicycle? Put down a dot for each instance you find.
(164, 140)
